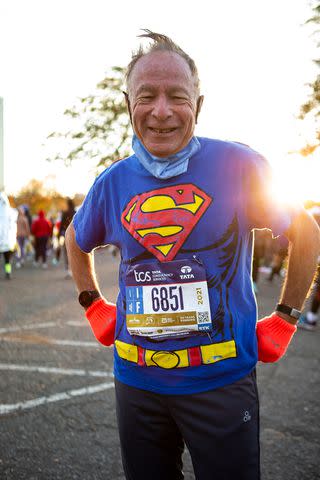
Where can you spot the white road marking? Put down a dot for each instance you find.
(27, 338)
(51, 341)
(77, 323)
(35, 326)
(28, 327)
(59, 371)
(36, 402)
(75, 343)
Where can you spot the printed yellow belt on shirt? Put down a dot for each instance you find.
(187, 357)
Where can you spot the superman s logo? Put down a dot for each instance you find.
(161, 220)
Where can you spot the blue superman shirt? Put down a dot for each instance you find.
(208, 214)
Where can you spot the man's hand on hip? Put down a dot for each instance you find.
(274, 335)
(102, 318)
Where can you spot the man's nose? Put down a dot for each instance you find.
(162, 108)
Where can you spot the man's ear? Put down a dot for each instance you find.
(199, 105)
(126, 97)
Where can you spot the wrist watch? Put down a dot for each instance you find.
(292, 312)
(87, 297)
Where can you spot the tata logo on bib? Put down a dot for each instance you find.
(186, 269)
(186, 272)
(142, 276)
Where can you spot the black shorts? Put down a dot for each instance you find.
(219, 427)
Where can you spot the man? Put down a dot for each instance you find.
(181, 211)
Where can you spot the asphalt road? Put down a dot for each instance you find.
(57, 405)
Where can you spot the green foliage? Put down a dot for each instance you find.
(312, 105)
(100, 125)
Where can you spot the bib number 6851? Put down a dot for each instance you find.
(167, 298)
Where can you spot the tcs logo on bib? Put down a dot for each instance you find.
(142, 276)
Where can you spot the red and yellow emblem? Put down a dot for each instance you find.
(161, 220)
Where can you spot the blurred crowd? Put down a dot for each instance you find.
(24, 237)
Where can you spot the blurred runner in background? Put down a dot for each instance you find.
(260, 246)
(8, 232)
(29, 248)
(23, 233)
(41, 229)
(280, 246)
(66, 218)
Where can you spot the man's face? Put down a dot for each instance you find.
(163, 102)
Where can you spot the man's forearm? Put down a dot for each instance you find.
(81, 263)
(302, 262)
(274, 333)
(100, 314)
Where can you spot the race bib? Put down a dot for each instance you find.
(167, 299)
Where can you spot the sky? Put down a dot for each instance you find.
(254, 59)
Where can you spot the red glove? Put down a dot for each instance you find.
(102, 318)
(274, 335)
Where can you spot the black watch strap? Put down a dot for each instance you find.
(87, 297)
(292, 312)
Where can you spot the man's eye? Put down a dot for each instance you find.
(178, 98)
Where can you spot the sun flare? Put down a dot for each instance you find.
(296, 180)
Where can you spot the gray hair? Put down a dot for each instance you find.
(161, 43)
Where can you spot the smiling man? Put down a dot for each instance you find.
(181, 209)
(164, 100)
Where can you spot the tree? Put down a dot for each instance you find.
(312, 106)
(100, 125)
(39, 196)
